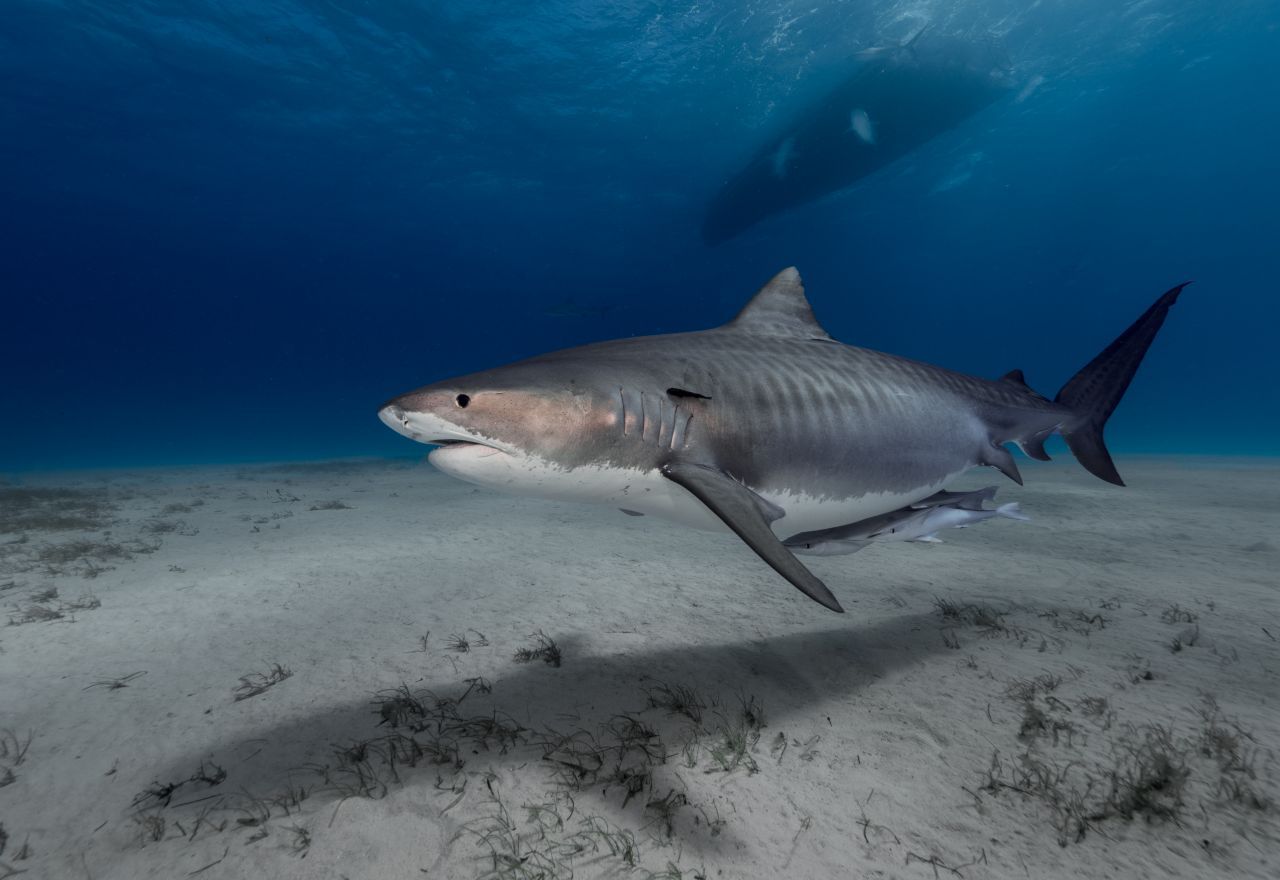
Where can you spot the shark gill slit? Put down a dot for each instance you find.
(680, 431)
(632, 413)
(667, 425)
(652, 417)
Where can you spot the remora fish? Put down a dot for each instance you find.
(917, 522)
(765, 425)
(894, 101)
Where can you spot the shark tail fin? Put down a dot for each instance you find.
(1093, 393)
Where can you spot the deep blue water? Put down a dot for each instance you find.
(231, 230)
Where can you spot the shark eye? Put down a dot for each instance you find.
(462, 400)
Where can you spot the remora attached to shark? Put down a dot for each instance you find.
(765, 425)
(915, 522)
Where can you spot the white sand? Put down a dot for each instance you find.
(889, 732)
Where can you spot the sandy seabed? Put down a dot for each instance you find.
(368, 670)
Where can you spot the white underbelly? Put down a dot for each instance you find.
(806, 513)
(655, 495)
(650, 493)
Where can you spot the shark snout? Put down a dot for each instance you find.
(394, 417)
(419, 418)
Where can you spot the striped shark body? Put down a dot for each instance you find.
(765, 426)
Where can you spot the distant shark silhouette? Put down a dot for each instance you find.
(765, 425)
(898, 99)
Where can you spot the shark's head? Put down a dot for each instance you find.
(521, 428)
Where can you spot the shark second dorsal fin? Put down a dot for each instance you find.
(780, 309)
(1016, 379)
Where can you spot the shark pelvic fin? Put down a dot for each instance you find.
(1000, 458)
(780, 308)
(749, 515)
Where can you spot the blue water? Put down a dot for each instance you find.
(230, 231)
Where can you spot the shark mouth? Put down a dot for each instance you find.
(451, 454)
(432, 430)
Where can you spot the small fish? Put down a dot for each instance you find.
(861, 125)
(874, 52)
(1032, 84)
(926, 527)
(782, 157)
(961, 173)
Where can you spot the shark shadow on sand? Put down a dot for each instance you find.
(609, 728)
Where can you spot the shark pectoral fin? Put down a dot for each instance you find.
(749, 515)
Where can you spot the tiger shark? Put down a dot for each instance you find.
(765, 426)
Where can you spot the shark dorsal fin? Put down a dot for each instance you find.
(1019, 381)
(780, 309)
(1015, 377)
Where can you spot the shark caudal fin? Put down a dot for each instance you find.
(1092, 393)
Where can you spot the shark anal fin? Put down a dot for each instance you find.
(743, 512)
(1033, 446)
